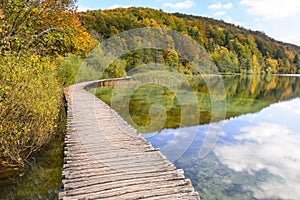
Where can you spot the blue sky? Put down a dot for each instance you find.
(277, 18)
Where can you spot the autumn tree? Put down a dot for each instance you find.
(47, 27)
(296, 59)
(296, 62)
(33, 35)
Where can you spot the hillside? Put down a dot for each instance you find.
(234, 49)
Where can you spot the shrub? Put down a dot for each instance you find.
(68, 69)
(30, 97)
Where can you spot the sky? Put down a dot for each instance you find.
(278, 19)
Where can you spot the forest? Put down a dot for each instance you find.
(233, 49)
(44, 43)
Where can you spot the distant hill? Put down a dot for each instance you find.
(234, 49)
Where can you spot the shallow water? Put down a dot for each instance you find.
(41, 178)
(257, 156)
(253, 153)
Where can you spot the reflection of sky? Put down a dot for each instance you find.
(268, 140)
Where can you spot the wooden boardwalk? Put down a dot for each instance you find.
(105, 158)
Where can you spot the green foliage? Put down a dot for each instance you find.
(97, 66)
(29, 106)
(115, 70)
(234, 49)
(68, 69)
(296, 61)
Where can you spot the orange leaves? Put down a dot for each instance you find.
(71, 36)
(49, 27)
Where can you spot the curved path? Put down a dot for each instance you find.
(105, 158)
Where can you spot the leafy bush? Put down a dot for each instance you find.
(30, 97)
(68, 69)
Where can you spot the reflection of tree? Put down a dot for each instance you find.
(252, 93)
(245, 94)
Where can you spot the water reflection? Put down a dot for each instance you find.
(244, 94)
(41, 178)
(256, 157)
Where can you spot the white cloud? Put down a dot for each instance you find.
(272, 10)
(83, 8)
(232, 21)
(215, 6)
(219, 13)
(268, 146)
(228, 5)
(293, 39)
(180, 5)
(292, 106)
(118, 6)
(219, 6)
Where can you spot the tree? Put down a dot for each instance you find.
(272, 65)
(261, 46)
(32, 36)
(227, 42)
(171, 58)
(253, 48)
(46, 27)
(280, 54)
(296, 60)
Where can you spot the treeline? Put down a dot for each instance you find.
(34, 38)
(232, 48)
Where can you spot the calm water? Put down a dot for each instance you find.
(41, 178)
(257, 154)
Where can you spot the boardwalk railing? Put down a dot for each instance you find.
(105, 158)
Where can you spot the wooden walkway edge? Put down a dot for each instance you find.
(105, 158)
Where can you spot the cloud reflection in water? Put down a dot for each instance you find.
(271, 143)
(253, 143)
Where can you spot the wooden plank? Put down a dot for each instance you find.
(105, 158)
(125, 176)
(122, 181)
(104, 191)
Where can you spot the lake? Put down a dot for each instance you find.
(256, 151)
(255, 155)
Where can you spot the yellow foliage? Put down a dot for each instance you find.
(253, 84)
(1, 14)
(273, 64)
(272, 84)
(29, 106)
(254, 63)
